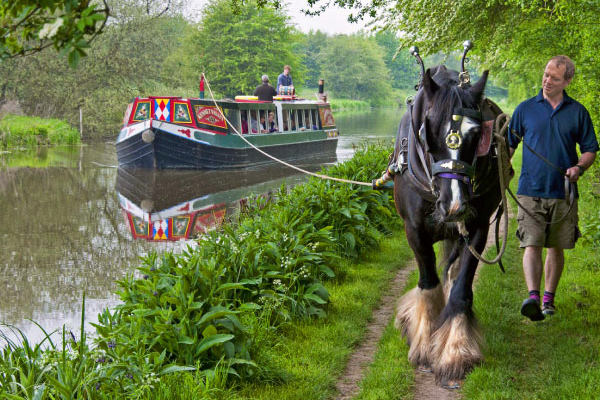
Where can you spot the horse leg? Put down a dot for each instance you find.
(452, 251)
(456, 342)
(419, 308)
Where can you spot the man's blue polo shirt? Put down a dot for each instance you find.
(554, 134)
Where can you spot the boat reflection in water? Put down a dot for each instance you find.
(171, 205)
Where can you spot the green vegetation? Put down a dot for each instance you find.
(557, 357)
(236, 47)
(145, 51)
(513, 38)
(554, 358)
(68, 25)
(347, 104)
(311, 354)
(16, 130)
(208, 309)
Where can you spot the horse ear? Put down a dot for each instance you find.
(429, 84)
(477, 89)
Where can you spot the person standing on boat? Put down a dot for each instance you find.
(285, 79)
(265, 92)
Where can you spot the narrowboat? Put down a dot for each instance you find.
(197, 133)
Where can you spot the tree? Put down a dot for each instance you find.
(513, 38)
(234, 49)
(314, 43)
(404, 70)
(27, 26)
(354, 68)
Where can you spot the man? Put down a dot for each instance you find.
(284, 78)
(265, 92)
(550, 124)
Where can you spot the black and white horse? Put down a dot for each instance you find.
(437, 144)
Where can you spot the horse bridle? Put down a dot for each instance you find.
(448, 168)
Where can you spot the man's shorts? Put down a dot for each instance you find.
(537, 232)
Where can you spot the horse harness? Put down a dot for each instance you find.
(416, 161)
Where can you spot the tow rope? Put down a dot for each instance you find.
(321, 176)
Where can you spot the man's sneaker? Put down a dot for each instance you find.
(548, 309)
(531, 309)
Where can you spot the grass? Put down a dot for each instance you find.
(557, 357)
(18, 130)
(311, 355)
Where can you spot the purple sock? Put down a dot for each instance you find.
(548, 298)
(534, 294)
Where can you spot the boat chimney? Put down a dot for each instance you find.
(322, 95)
(201, 86)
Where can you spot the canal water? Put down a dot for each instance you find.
(71, 222)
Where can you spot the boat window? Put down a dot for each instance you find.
(301, 121)
(287, 126)
(254, 121)
(244, 121)
(315, 119)
(272, 122)
(294, 120)
(263, 121)
(233, 116)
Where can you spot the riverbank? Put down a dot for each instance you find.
(24, 131)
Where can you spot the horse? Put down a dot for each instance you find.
(444, 190)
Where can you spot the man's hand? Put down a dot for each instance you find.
(574, 173)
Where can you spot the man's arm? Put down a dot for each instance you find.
(585, 161)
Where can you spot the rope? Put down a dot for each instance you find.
(275, 158)
(501, 153)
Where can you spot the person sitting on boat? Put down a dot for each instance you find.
(271, 124)
(285, 79)
(265, 92)
(244, 124)
(263, 124)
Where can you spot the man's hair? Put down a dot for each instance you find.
(567, 62)
(287, 67)
(265, 78)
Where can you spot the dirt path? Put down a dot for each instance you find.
(425, 387)
(347, 385)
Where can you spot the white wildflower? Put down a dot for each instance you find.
(48, 31)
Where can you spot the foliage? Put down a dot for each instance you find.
(313, 46)
(513, 38)
(234, 48)
(354, 68)
(404, 71)
(27, 27)
(347, 104)
(122, 64)
(16, 130)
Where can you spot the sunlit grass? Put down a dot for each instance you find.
(18, 130)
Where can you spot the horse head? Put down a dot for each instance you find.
(450, 121)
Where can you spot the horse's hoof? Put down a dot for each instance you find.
(452, 384)
(425, 368)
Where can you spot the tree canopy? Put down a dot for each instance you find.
(234, 48)
(28, 26)
(354, 67)
(513, 38)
